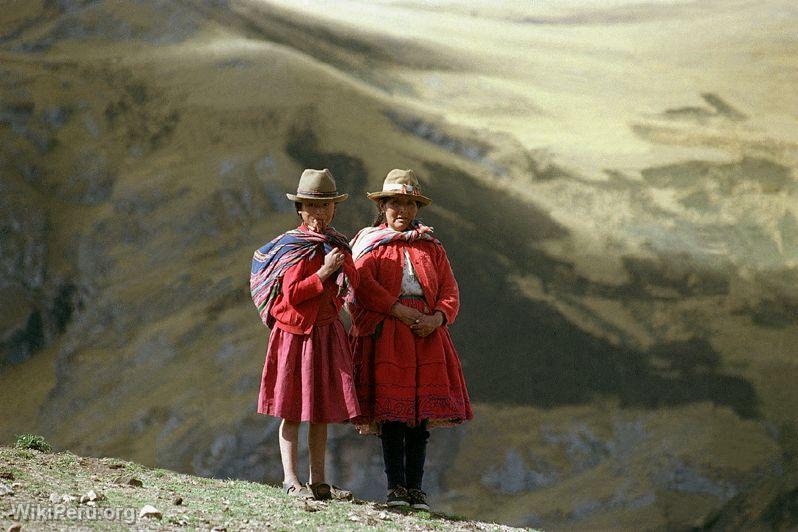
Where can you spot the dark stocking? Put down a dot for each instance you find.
(393, 452)
(415, 454)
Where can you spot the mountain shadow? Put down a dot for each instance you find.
(350, 174)
(772, 504)
(518, 350)
(523, 351)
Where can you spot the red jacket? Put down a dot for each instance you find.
(297, 305)
(381, 282)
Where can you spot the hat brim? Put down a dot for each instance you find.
(377, 196)
(301, 197)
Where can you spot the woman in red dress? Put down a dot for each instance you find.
(297, 282)
(407, 372)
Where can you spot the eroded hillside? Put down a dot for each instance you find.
(628, 277)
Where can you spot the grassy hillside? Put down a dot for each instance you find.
(619, 210)
(109, 494)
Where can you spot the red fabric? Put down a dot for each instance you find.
(400, 376)
(296, 308)
(309, 377)
(381, 282)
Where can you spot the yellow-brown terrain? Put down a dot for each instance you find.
(615, 184)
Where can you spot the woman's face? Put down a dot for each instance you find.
(400, 211)
(317, 215)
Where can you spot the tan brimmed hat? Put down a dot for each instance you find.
(317, 185)
(400, 183)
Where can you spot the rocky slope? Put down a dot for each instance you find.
(628, 276)
(43, 491)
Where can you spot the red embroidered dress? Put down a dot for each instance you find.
(400, 376)
(307, 375)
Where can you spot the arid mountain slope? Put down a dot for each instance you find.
(629, 306)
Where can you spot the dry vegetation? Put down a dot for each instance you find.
(615, 186)
(79, 489)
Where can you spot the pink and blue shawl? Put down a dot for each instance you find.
(272, 260)
(369, 238)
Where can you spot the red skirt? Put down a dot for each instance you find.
(402, 377)
(309, 377)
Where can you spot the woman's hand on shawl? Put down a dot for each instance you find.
(427, 323)
(407, 315)
(332, 262)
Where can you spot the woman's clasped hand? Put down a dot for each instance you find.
(420, 323)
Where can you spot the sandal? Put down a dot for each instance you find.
(321, 491)
(340, 494)
(301, 492)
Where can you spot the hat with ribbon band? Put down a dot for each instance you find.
(400, 183)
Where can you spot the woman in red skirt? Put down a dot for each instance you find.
(298, 281)
(407, 372)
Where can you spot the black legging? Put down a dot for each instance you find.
(404, 450)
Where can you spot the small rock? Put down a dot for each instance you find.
(133, 481)
(178, 501)
(91, 496)
(353, 517)
(384, 516)
(16, 527)
(55, 498)
(66, 499)
(150, 511)
(16, 486)
(95, 478)
(5, 490)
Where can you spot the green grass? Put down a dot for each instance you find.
(204, 502)
(32, 441)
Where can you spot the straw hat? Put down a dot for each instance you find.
(400, 183)
(317, 185)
